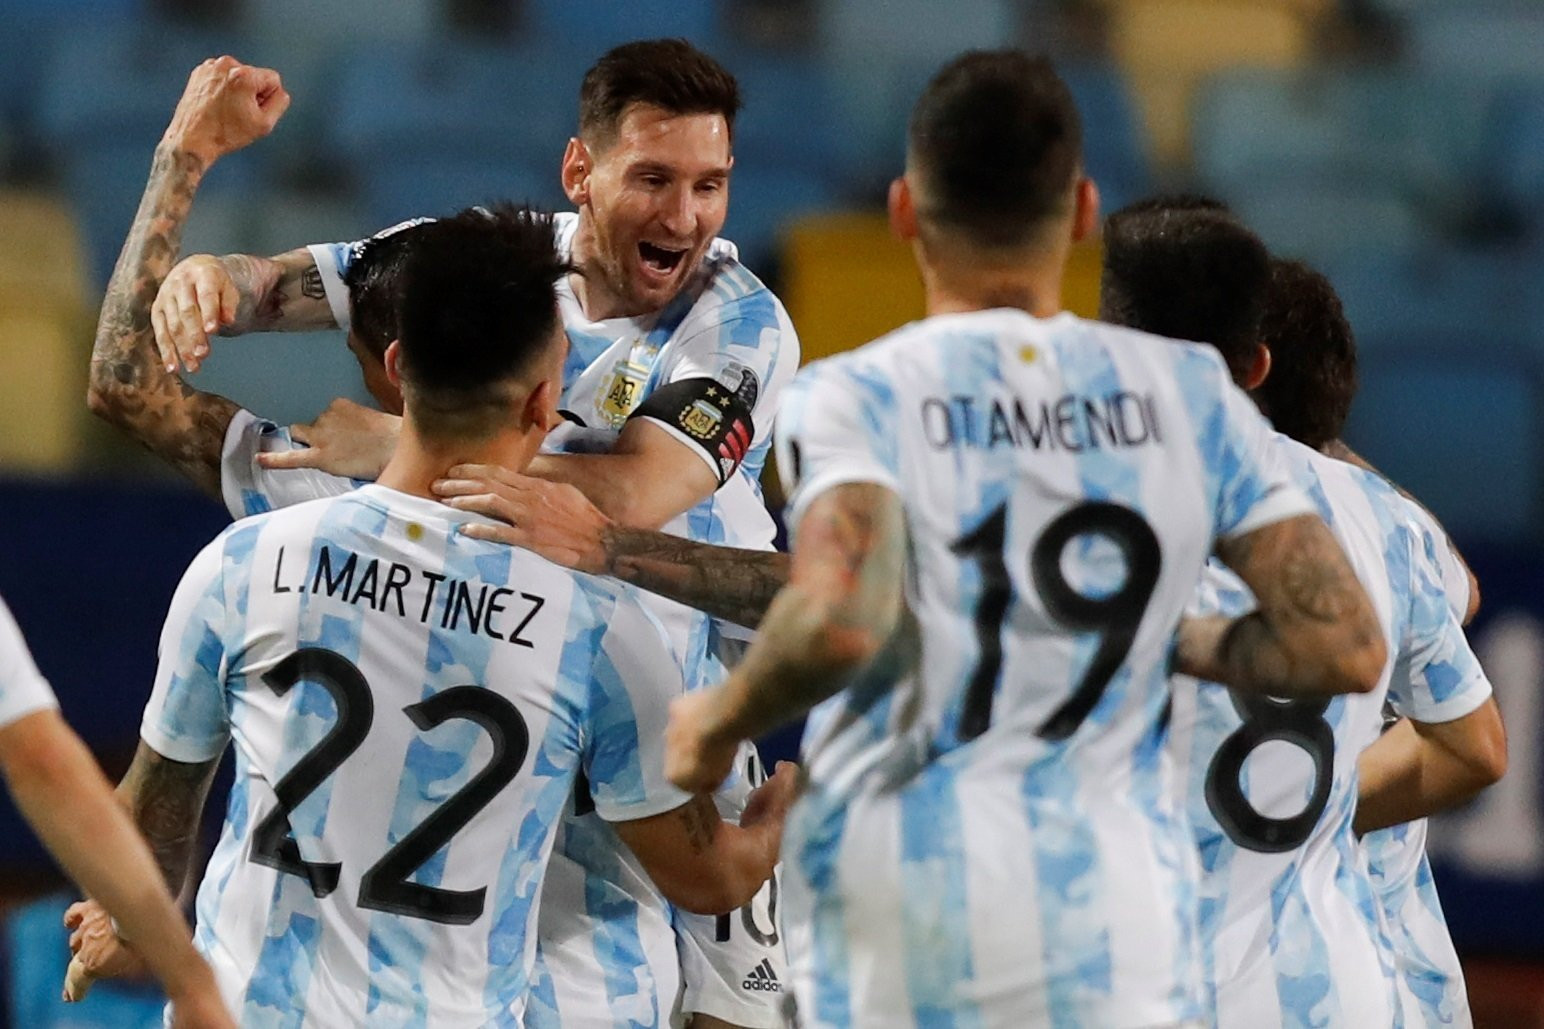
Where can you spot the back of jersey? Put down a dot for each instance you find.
(410, 709)
(1288, 915)
(1063, 482)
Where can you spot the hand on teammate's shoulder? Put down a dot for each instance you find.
(226, 106)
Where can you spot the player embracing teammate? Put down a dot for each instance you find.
(1002, 519)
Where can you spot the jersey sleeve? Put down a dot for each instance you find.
(633, 680)
(248, 488)
(1439, 550)
(832, 432)
(1254, 481)
(723, 381)
(1437, 677)
(23, 690)
(186, 718)
(332, 264)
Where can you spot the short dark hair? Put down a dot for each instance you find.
(477, 305)
(997, 143)
(1185, 267)
(1313, 381)
(667, 73)
(372, 280)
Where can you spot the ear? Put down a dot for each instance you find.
(577, 168)
(1259, 368)
(540, 409)
(393, 358)
(1085, 215)
(903, 210)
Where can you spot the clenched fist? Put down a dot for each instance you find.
(226, 106)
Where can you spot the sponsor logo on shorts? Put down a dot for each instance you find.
(762, 979)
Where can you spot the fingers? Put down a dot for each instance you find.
(489, 473)
(77, 981)
(490, 504)
(75, 913)
(287, 460)
(230, 301)
(300, 433)
(506, 534)
(165, 347)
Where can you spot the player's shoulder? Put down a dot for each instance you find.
(728, 291)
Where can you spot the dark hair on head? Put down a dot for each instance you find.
(477, 305)
(372, 280)
(667, 73)
(1188, 269)
(1312, 382)
(996, 141)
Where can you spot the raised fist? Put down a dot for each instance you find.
(226, 106)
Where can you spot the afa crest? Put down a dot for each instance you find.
(621, 393)
(701, 420)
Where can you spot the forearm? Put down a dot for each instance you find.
(129, 385)
(277, 294)
(165, 799)
(65, 797)
(1251, 653)
(726, 582)
(1402, 777)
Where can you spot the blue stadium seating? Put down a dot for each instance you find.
(601, 24)
(1494, 39)
(1114, 147)
(1461, 299)
(1324, 218)
(1461, 429)
(765, 199)
(36, 959)
(1518, 149)
(789, 108)
(413, 185)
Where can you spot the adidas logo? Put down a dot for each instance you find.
(762, 979)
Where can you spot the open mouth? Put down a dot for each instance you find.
(661, 260)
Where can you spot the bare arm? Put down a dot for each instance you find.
(647, 478)
(165, 798)
(840, 607)
(704, 864)
(1420, 768)
(1314, 631)
(65, 797)
(226, 105)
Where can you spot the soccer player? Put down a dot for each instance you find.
(65, 798)
(410, 707)
(1289, 927)
(989, 840)
(1416, 767)
(678, 358)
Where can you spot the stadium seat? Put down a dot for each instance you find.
(1114, 143)
(1518, 151)
(1167, 47)
(344, 23)
(286, 220)
(1320, 219)
(286, 376)
(416, 185)
(1461, 429)
(1495, 39)
(458, 100)
(763, 201)
(600, 24)
(36, 959)
(787, 117)
(1454, 298)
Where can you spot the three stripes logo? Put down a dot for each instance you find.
(762, 979)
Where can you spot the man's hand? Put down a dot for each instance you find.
(347, 439)
(226, 106)
(698, 757)
(552, 519)
(768, 803)
(96, 952)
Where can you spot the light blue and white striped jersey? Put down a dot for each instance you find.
(613, 952)
(994, 841)
(1430, 978)
(23, 690)
(1292, 930)
(410, 710)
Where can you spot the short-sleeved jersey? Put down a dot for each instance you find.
(23, 690)
(410, 710)
(1292, 930)
(615, 955)
(1430, 978)
(993, 837)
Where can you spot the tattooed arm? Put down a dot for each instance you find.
(1313, 633)
(226, 106)
(841, 604)
(704, 864)
(165, 798)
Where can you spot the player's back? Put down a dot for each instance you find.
(1062, 482)
(410, 709)
(1290, 924)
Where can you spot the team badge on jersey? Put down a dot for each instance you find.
(715, 414)
(621, 393)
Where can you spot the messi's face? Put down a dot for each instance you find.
(655, 197)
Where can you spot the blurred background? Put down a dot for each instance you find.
(1396, 144)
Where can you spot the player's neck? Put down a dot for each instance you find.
(954, 283)
(597, 299)
(418, 461)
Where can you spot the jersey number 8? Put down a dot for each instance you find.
(385, 886)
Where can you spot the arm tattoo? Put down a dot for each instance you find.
(726, 582)
(129, 385)
(839, 610)
(165, 799)
(277, 294)
(700, 818)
